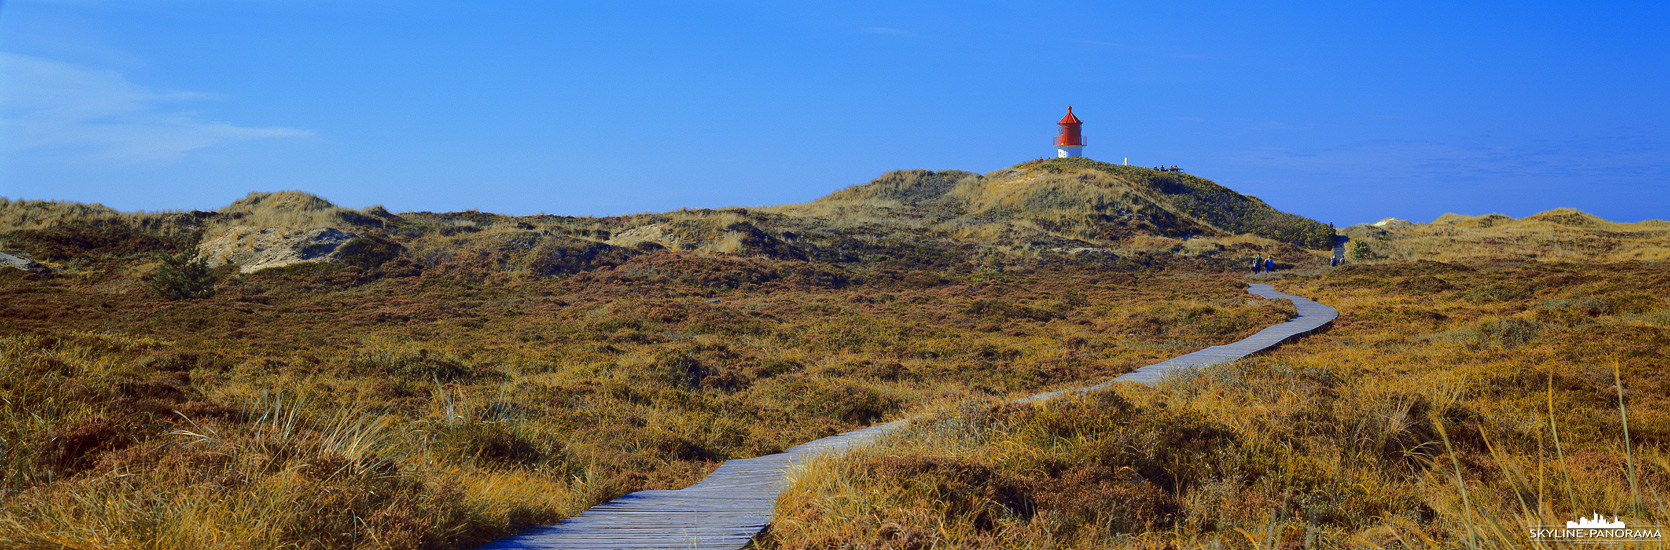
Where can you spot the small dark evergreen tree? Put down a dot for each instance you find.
(1361, 251)
(184, 275)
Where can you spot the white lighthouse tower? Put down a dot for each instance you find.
(1069, 143)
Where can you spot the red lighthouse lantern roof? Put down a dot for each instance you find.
(1069, 119)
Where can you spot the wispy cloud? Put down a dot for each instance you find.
(886, 30)
(79, 113)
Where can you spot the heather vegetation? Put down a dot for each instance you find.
(1450, 405)
(284, 372)
(437, 380)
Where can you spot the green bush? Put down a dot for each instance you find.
(184, 276)
(1360, 250)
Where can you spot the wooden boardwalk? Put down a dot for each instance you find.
(734, 503)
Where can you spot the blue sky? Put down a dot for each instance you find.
(1346, 112)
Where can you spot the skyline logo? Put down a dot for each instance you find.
(1597, 522)
(1595, 530)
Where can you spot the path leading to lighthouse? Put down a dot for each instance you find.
(734, 503)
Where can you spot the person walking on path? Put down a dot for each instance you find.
(1258, 264)
(1269, 265)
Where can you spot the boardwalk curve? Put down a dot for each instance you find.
(734, 503)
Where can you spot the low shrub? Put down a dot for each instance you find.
(419, 364)
(368, 252)
(1508, 333)
(484, 442)
(184, 275)
(851, 405)
(1494, 293)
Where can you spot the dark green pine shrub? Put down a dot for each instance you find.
(1361, 250)
(184, 275)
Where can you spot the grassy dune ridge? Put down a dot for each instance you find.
(1559, 235)
(1073, 199)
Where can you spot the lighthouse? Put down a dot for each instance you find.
(1069, 142)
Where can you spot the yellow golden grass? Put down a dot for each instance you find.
(335, 407)
(1409, 424)
(310, 407)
